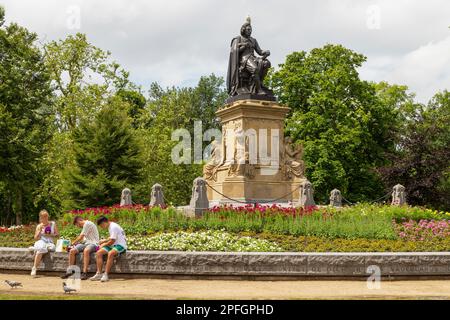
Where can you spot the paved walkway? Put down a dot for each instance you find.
(231, 289)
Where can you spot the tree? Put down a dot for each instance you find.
(168, 110)
(25, 97)
(344, 126)
(83, 77)
(107, 158)
(421, 161)
(208, 96)
(2, 15)
(136, 101)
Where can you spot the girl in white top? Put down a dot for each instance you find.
(45, 232)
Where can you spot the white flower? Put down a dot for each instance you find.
(202, 241)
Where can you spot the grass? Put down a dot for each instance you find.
(352, 223)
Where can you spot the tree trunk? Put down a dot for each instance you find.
(8, 205)
(19, 208)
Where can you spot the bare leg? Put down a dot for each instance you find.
(72, 256)
(86, 260)
(100, 255)
(37, 259)
(111, 255)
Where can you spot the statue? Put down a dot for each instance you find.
(307, 195)
(157, 196)
(293, 163)
(336, 198)
(210, 169)
(399, 195)
(125, 198)
(246, 72)
(199, 199)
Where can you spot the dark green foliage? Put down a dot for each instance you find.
(106, 156)
(136, 101)
(25, 96)
(421, 161)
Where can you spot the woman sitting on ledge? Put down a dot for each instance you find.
(45, 232)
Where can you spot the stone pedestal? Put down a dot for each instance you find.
(250, 163)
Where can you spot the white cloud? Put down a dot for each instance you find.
(175, 42)
(425, 70)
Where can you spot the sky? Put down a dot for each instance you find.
(175, 42)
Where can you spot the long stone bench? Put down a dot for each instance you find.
(250, 264)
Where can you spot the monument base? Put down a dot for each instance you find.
(257, 133)
(250, 96)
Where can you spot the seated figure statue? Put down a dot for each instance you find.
(246, 72)
(294, 166)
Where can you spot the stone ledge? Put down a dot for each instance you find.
(249, 264)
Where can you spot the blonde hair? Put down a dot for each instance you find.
(43, 213)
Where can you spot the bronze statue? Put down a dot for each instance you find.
(246, 72)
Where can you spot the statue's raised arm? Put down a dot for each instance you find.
(246, 71)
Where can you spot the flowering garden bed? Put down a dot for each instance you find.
(361, 228)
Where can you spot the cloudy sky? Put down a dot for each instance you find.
(174, 42)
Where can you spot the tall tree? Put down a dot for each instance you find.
(168, 110)
(83, 76)
(25, 97)
(421, 161)
(341, 122)
(107, 158)
(83, 79)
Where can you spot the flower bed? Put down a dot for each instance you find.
(360, 228)
(202, 241)
(326, 222)
(10, 229)
(423, 230)
(17, 236)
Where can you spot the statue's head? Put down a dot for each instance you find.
(246, 29)
(200, 184)
(307, 188)
(287, 139)
(335, 194)
(399, 189)
(157, 188)
(126, 193)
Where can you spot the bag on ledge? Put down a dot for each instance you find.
(62, 245)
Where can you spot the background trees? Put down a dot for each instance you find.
(107, 158)
(168, 110)
(343, 125)
(25, 100)
(421, 160)
(74, 130)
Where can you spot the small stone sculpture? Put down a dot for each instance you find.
(125, 199)
(399, 195)
(210, 169)
(306, 195)
(293, 163)
(336, 198)
(199, 200)
(157, 196)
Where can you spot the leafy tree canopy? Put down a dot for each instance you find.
(344, 126)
